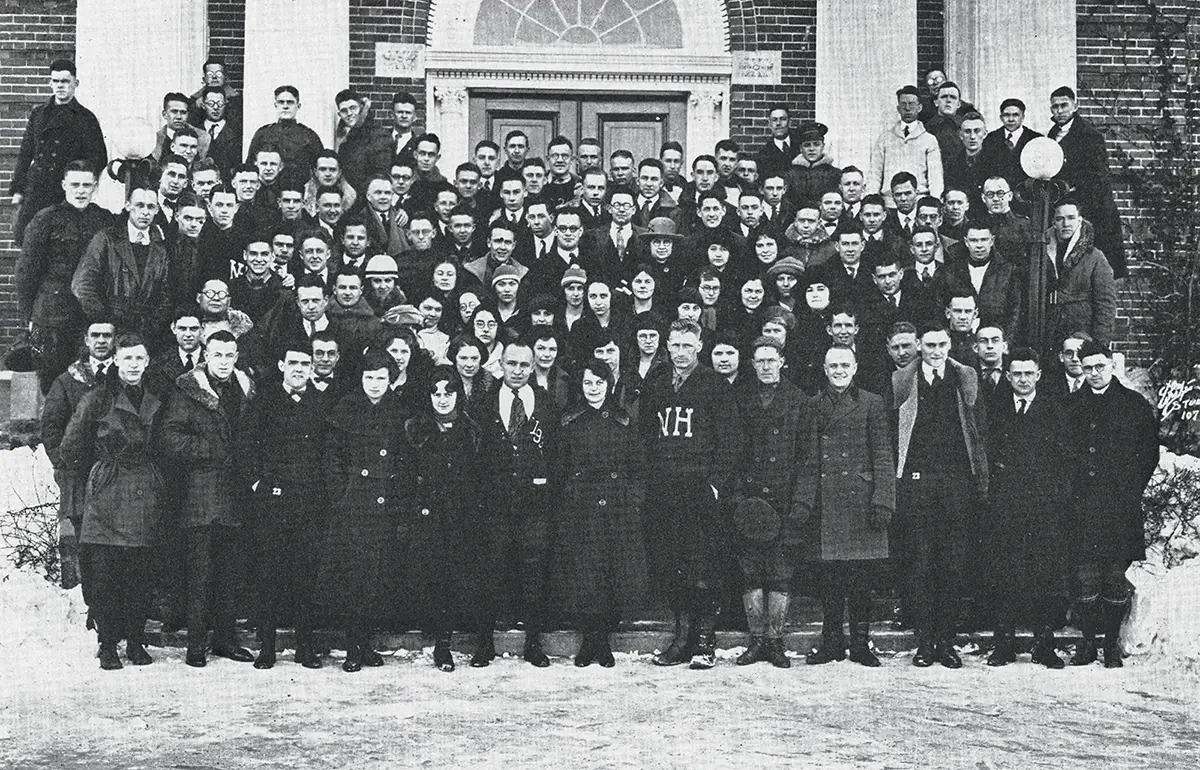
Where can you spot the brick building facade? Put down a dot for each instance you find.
(785, 32)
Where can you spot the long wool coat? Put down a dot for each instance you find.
(846, 472)
(196, 434)
(111, 439)
(361, 473)
(599, 560)
(771, 450)
(1118, 450)
(1022, 540)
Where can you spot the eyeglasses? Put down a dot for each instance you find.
(1095, 368)
(995, 194)
(569, 228)
(480, 324)
(213, 294)
(621, 205)
(768, 361)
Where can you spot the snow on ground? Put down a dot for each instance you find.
(59, 710)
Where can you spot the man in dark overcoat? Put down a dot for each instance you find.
(1022, 541)
(942, 474)
(518, 450)
(692, 436)
(1118, 450)
(280, 454)
(199, 431)
(769, 408)
(59, 131)
(845, 497)
(54, 243)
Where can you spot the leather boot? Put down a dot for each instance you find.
(442, 657)
(777, 610)
(1043, 652)
(946, 654)
(485, 648)
(1114, 615)
(603, 650)
(533, 652)
(370, 657)
(586, 654)
(306, 650)
(754, 602)
(756, 652)
(1084, 618)
(704, 655)
(266, 653)
(135, 650)
(926, 654)
(109, 660)
(833, 642)
(1003, 649)
(859, 610)
(680, 649)
(353, 662)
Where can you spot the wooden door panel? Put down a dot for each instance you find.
(640, 137)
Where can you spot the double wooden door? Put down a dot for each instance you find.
(639, 124)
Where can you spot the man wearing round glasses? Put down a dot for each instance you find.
(213, 299)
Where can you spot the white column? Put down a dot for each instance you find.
(448, 120)
(865, 51)
(997, 49)
(707, 122)
(129, 54)
(302, 43)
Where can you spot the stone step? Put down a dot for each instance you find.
(643, 637)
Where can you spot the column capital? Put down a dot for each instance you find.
(706, 98)
(452, 99)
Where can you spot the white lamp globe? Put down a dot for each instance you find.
(1042, 158)
(133, 138)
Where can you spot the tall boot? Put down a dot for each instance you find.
(353, 662)
(833, 641)
(1114, 615)
(266, 654)
(680, 648)
(1003, 645)
(367, 650)
(485, 646)
(704, 655)
(109, 661)
(443, 659)
(859, 610)
(777, 610)
(756, 620)
(1084, 618)
(533, 652)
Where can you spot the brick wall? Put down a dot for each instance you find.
(389, 21)
(773, 25)
(227, 37)
(33, 33)
(931, 37)
(1118, 81)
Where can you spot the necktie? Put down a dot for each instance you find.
(851, 272)
(894, 300)
(101, 370)
(1075, 384)
(619, 242)
(906, 132)
(926, 274)
(309, 328)
(516, 415)
(646, 210)
(1024, 406)
(994, 376)
(191, 362)
(212, 130)
(676, 381)
(1012, 142)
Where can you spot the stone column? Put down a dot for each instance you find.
(995, 50)
(707, 122)
(304, 43)
(448, 120)
(129, 53)
(865, 51)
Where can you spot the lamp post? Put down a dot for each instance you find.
(1041, 159)
(133, 141)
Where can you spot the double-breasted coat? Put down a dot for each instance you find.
(1023, 546)
(598, 565)
(846, 476)
(1118, 452)
(362, 470)
(110, 440)
(110, 286)
(55, 241)
(65, 394)
(771, 451)
(196, 433)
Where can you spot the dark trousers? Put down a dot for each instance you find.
(212, 564)
(847, 585)
(937, 509)
(519, 549)
(1102, 580)
(683, 538)
(116, 588)
(286, 562)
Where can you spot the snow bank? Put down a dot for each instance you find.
(26, 479)
(39, 618)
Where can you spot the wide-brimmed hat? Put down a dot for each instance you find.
(661, 227)
(788, 265)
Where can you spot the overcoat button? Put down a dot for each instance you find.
(365, 472)
(772, 459)
(766, 490)
(613, 474)
(1091, 473)
(602, 502)
(379, 500)
(845, 473)
(383, 453)
(140, 492)
(424, 511)
(1091, 449)
(775, 432)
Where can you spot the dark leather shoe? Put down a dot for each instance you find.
(604, 653)
(535, 655)
(678, 652)
(233, 652)
(776, 655)
(353, 661)
(862, 655)
(586, 656)
(196, 657)
(1085, 653)
(828, 652)
(306, 656)
(1113, 656)
(442, 657)
(756, 652)
(109, 660)
(266, 659)
(948, 656)
(136, 652)
(1044, 654)
(925, 656)
(371, 658)
(1001, 655)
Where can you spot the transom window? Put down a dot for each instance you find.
(627, 23)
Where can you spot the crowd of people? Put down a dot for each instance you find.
(540, 390)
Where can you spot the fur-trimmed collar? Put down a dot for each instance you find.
(235, 321)
(81, 371)
(196, 386)
(1080, 245)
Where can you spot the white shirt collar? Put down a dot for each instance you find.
(927, 371)
(506, 399)
(138, 236)
(1018, 399)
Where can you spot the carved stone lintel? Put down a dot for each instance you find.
(399, 60)
(757, 67)
(709, 100)
(451, 99)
